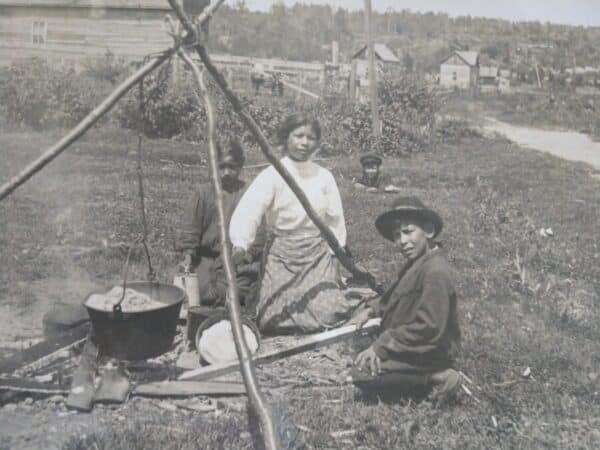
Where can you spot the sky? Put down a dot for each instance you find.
(572, 12)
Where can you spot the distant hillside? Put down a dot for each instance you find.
(305, 32)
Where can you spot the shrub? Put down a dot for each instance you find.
(109, 68)
(454, 130)
(39, 95)
(169, 110)
(407, 110)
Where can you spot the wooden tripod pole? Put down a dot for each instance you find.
(257, 400)
(249, 121)
(89, 120)
(83, 126)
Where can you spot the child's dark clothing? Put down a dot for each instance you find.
(420, 332)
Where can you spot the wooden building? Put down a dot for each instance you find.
(488, 75)
(384, 56)
(72, 29)
(460, 70)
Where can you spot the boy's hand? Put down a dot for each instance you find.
(369, 361)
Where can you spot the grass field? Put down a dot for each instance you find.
(525, 300)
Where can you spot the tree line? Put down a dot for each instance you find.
(304, 32)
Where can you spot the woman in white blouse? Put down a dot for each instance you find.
(300, 290)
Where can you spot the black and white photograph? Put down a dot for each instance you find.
(299, 224)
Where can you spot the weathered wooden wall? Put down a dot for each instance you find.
(78, 32)
(73, 34)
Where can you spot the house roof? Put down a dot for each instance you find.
(382, 51)
(469, 57)
(113, 4)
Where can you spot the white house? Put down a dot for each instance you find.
(460, 70)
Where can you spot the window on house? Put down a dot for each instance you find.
(454, 76)
(39, 30)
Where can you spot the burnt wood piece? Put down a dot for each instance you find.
(43, 349)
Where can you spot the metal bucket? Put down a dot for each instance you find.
(137, 335)
(196, 315)
(189, 283)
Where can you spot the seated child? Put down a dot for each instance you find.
(200, 239)
(419, 336)
(371, 164)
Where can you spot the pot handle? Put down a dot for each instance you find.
(117, 306)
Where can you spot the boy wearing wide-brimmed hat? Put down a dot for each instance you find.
(419, 336)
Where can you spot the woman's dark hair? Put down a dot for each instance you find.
(294, 121)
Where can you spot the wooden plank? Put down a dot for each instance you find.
(83, 23)
(304, 344)
(189, 388)
(25, 385)
(15, 35)
(45, 352)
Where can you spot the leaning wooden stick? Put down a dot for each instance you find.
(89, 120)
(257, 400)
(269, 153)
(83, 126)
(302, 345)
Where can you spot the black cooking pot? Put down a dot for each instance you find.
(137, 335)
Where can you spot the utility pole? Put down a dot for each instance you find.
(352, 87)
(372, 73)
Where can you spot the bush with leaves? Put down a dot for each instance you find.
(167, 109)
(38, 94)
(108, 68)
(454, 130)
(407, 111)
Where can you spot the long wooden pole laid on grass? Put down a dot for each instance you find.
(303, 344)
(261, 407)
(89, 120)
(269, 153)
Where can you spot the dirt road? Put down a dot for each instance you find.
(564, 144)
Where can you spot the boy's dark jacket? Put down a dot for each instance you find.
(419, 318)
